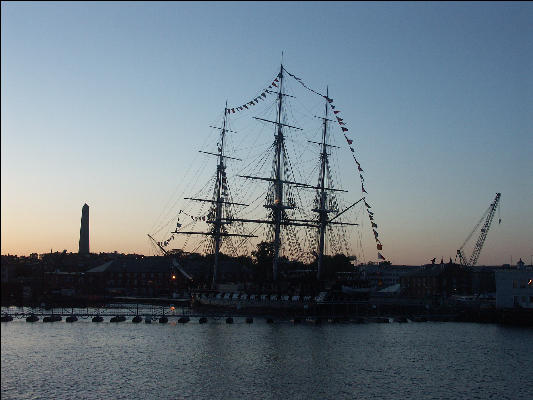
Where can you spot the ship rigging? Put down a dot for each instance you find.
(289, 221)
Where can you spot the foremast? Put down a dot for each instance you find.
(216, 215)
(221, 176)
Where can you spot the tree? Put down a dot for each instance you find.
(263, 258)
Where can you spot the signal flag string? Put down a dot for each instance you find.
(344, 129)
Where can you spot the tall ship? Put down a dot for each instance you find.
(273, 219)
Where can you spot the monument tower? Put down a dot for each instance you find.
(84, 230)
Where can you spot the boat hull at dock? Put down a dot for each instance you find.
(253, 303)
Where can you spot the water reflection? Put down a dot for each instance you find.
(265, 361)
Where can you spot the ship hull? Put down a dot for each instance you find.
(259, 305)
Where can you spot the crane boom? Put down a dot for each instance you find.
(488, 217)
(486, 226)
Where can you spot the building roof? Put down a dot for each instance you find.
(157, 264)
(135, 265)
(100, 268)
(391, 289)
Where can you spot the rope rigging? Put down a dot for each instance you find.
(251, 142)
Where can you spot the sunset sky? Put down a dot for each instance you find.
(108, 103)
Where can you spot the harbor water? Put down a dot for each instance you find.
(215, 360)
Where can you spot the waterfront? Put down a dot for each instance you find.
(269, 361)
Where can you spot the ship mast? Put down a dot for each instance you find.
(221, 177)
(219, 201)
(278, 181)
(277, 207)
(322, 212)
(322, 194)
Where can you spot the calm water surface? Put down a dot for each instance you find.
(85, 360)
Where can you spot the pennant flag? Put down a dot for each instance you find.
(359, 168)
(245, 106)
(332, 106)
(270, 87)
(374, 225)
(361, 176)
(273, 84)
(336, 112)
(344, 129)
(341, 123)
(380, 257)
(349, 140)
(371, 217)
(367, 205)
(364, 191)
(233, 110)
(328, 99)
(370, 212)
(352, 150)
(379, 246)
(376, 234)
(263, 94)
(276, 80)
(339, 119)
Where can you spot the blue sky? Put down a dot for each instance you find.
(105, 103)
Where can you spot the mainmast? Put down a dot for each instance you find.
(278, 181)
(277, 207)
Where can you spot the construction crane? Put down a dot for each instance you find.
(488, 215)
